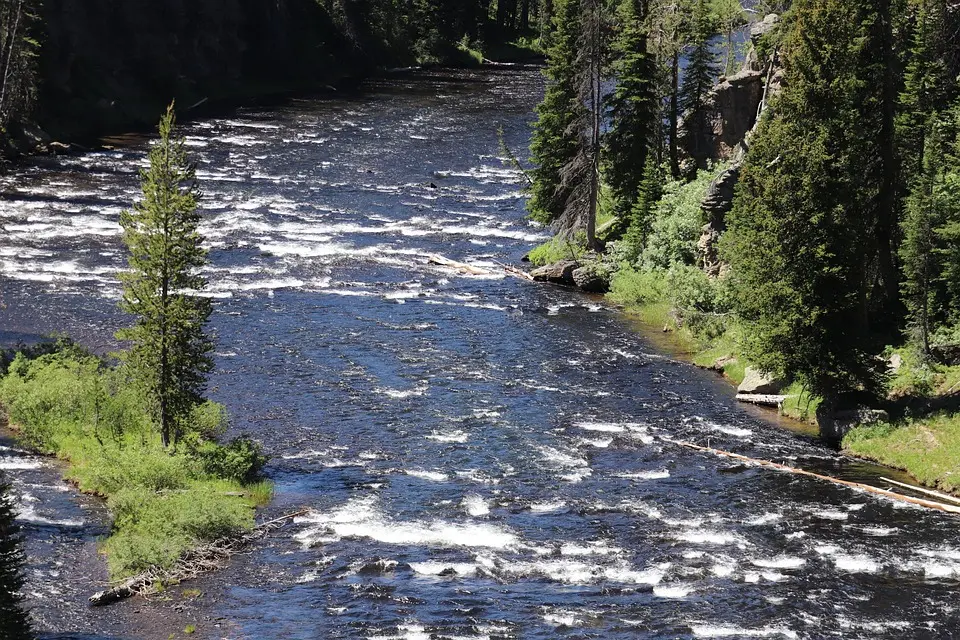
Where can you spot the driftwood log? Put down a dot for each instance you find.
(929, 504)
(767, 400)
(474, 270)
(201, 559)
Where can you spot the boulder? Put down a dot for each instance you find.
(589, 280)
(557, 273)
(758, 383)
(835, 425)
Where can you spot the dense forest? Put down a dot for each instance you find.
(796, 196)
(89, 68)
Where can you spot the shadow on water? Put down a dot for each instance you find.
(14, 620)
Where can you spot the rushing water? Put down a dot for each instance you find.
(482, 457)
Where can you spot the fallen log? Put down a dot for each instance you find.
(929, 504)
(929, 492)
(202, 559)
(767, 400)
(474, 270)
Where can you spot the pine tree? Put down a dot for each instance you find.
(925, 225)
(554, 142)
(649, 193)
(170, 354)
(699, 77)
(633, 107)
(802, 239)
(14, 621)
(927, 85)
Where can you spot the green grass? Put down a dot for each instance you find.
(522, 49)
(71, 405)
(927, 448)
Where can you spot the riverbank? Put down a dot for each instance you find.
(922, 438)
(72, 405)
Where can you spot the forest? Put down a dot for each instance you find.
(792, 198)
(81, 70)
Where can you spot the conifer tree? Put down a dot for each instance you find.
(649, 193)
(14, 621)
(554, 142)
(698, 78)
(802, 234)
(633, 107)
(926, 223)
(170, 354)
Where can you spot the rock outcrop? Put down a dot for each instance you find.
(557, 273)
(758, 383)
(591, 280)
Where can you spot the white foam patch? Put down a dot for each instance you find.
(362, 518)
(475, 505)
(445, 568)
(453, 437)
(27, 513)
(673, 591)
(856, 563)
(548, 507)
(563, 619)
(19, 464)
(407, 632)
(645, 475)
(603, 427)
(433, 476)
(781, 562)
(731, 631)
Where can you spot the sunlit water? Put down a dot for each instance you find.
(482, 457)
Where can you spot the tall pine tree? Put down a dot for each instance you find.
(699, 76)
(170, 354)
(554, 142)
(633, 107)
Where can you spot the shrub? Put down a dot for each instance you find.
(241, 459)
(632, 287)
(677, 221)
(555, 250)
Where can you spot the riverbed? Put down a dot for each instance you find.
(481, 456)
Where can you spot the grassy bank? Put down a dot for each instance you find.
(73, 405)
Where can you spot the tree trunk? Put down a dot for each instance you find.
(675, 115)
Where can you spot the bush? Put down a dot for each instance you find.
(240, 460)
(71, 404)
(555, 250)
(677, 221)
(632, 287)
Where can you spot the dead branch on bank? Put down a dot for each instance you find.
(202, 559)
(929, 504)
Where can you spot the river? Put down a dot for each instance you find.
(482, 457)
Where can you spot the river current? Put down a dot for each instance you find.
(481, 456)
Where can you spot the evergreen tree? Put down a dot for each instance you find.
(926, 223)
(803, 236)
(633, 107)
(927, 85)
(649, 193)
(170, 354)
(698, 79)
(14, 621)
(554, 142)
(18, 52)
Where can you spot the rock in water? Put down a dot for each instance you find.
(758, 383)
(557, 273)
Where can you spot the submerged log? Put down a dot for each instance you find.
(769, 400)
(929, 504)
(207, 557)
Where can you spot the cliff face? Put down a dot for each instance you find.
(109, 64)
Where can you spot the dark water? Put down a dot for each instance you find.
(483, 457)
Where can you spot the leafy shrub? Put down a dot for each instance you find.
(555, 250)
(677, 221)
(631, 287)
(241, 459)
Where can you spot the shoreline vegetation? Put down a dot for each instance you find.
(137, 429)
(789, 211)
